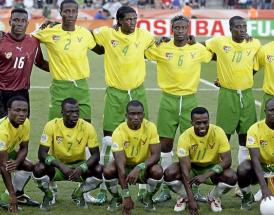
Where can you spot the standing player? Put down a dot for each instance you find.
(62, 155)
(260, 143)
(18, 53)
(235, 64)
(14, 134)
(67, 45)
(124, 73)
(136, 151)
(266, 60)
(178, 67)
(204, 157)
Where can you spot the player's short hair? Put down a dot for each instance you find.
(199, 110)
(178, 18)
(233, 19)
(122, 11)
(18, 10)
(267, 101)
(69, 100)
(16, 98)
(134, 103)
(66, 2)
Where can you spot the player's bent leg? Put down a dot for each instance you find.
(246, 177)
(111, 180)
(243, 151)
(154, 181)
(166, 160)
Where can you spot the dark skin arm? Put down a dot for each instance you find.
(155, 151)
(255, 160)
(185, 167)
(8, 182)
(100, 50)
(91, 162)
(40, 62)
(225, 163)
(43, 153)
(120, 161)
(254, 72)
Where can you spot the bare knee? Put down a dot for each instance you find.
(39, 170)
(172, 172)
(98, 171)
(110, 171)
(26, 165)
(229, 177)
(156, 172)
(166, 144)
(244, 169)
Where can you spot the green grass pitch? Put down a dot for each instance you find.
(207, 96)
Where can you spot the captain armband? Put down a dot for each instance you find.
(49, 160)
(217, 169)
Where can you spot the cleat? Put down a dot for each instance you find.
(200, 198)
(141, 194)
(89, 198)
(164, 196)
(45, 205)
(101, 197)
(215, 203)
(247, 201)
(26, 200)
(78, 198)
(238, 192)
(115, 204)
(180, 204)
(54, 189)
(148, 203)
(258, 196)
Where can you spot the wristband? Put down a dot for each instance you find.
(142, 166)
(125, 193)
(217, 169)
(84, 167)
(49, 159)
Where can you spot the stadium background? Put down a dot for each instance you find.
(157, 21)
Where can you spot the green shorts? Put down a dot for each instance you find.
(200, 170)
(235, 111)
(141, 177)
(264, 100)
(268, 170)
(59, 176)
(115, 105)
(61, 89)
(174, 111)
(12, 155)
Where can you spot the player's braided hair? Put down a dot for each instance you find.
(178, 18)
(122, 11)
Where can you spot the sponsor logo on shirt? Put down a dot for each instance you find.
(19, 48)
(114, 43)
(59, 139)
(226, 49)
(269, 58)
(169, 56)
(8, 55)
(2, 145)
(55, 38)
(263, 143)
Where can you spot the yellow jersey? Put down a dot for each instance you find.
(235, 61)
(178, 68)
(67, 51)
(124, 56)
(11, 137)
(68, 144)
(135, 143)
(266, 60)
(260, 136)
(203, 151)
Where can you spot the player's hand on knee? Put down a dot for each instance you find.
(11, 165)
(133, 176)
(75, 174)
(66, 170)
(199, 179)
(13, 206)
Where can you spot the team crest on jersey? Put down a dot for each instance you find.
(126, 143)
(55, 38)
(270, 58)
(194, 147)
(226, 49)
(169, 56)
(114, 43)
(59, 139)
(263, 143)
(8, 55)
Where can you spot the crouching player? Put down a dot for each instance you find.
(204, 157)
(136, 151)
(260, 142)
(62, 155)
